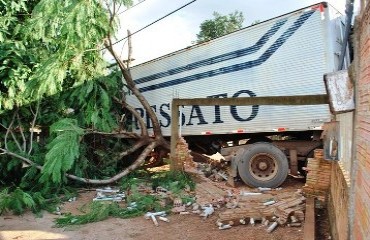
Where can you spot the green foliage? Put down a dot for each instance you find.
(50, 46)
(16, 61)
(174, 181)
(131, 181)
(63, 150)
(74, 31)
(97, 211)
(93, 103)
(52, 50)
(69, 29)
(16, 201)
(220, 25)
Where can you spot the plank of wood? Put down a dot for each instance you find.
(293, 162)
(309, 223)
(240, 101)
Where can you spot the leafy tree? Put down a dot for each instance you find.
(54, 80)
(255, 22)
(220, 25)
(16, 61)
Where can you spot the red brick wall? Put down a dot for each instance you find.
(361, 187)
(338, 202)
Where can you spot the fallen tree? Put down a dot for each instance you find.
(68, 107)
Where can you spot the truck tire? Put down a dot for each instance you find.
(263, 165)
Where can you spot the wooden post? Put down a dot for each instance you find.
(309, 223)
(293, 162)
(175, 165)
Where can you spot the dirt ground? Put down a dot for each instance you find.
(182, 227)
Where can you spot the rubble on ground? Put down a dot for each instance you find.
(265, 207)
(270, 208)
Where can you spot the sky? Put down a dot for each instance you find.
(178, 30)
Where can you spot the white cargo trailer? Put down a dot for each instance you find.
(287, 55)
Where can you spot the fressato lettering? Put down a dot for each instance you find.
(197, 116)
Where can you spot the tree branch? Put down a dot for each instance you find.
(30, 162)
(131, 85)
(139, 161)
(33, 126)
(22, 133)
(9, 131)
(129, 52)
(135, 147)
(144, 129)
(117, 134)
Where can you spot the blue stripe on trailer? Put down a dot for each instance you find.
(236, 67)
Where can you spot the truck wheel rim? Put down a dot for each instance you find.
(263, 167)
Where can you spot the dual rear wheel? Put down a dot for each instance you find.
(262, 164)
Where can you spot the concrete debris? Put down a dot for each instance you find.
(132, 206)
(195, 206)
(250, 193)
(272, 227)
(178, 209)
(57, 211)
(149, 214)
(164, 219)
(154, 220)
(232, 204)
(115, 198)
(269, 203)
(72, 199)
(216, 157)
(222, 174)
(152, 216)
(219, 223)
(226, 226)
(229, 193)
(293, 219)
(207, 211)
(107, 190)
(109, 194)
(297, 224)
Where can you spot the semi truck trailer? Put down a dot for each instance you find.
(284, 56)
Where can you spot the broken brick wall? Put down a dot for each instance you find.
(360, 200)
(182, 157)
(338, 202)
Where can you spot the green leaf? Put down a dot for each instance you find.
(63, 150)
